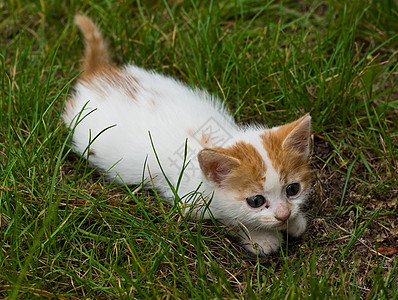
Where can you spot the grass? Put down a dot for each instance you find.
(67, 233)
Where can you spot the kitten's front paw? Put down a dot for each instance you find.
(262, 242)
(296, 227)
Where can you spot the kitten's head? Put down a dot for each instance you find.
(261, 183)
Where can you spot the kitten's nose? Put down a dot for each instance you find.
(282, 213)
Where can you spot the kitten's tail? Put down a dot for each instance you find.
(96, 54)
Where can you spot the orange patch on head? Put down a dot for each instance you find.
(288, 149)
(248, 174)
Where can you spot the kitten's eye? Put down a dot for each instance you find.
(256, 201)
(292, 189)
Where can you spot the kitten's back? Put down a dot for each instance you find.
(113, 110)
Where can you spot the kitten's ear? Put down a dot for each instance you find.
(298, 139)
(216, 165)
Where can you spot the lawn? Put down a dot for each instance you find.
(67, 233)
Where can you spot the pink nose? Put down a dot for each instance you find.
(282, 213)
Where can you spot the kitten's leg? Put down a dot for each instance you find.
(296, 226)
(261, 242)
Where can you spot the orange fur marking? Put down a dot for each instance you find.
(249, 176)
(287, 149)
(96, 54)
(96, 62)
(114, 77)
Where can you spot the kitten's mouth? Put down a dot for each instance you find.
(281, 225)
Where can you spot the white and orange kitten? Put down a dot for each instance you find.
(251, 178)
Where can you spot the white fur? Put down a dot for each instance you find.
(173, 113)
(162, 108)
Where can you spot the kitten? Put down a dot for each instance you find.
(252, 178)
